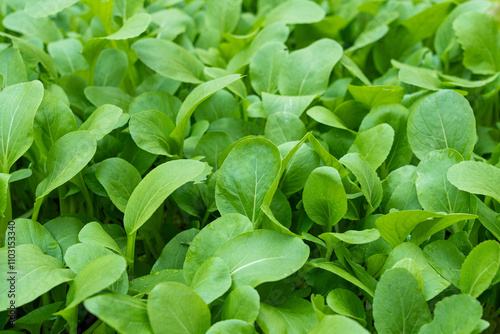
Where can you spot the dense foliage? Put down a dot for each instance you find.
(250, 166)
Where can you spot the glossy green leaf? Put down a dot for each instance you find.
(253, 163)
(156, 187)
(12, 67)
(67, 55)
(374, 144)
(338, 324)
(211, 280)
(66, 158)
(478, 36)
(232, 326)
(455, 314)
(18, 104)
(151, 132)
(324, 197)
(133, 313)
(174, 253)
(306, 71)
(346, 303)
(366, 176)
(242, 303)
(446, 259)
(442, 120)
(211, 238)
(284, 127)
(476, 178)
(399, 305)
(250, 264)
(133, 27)
(175, 308)
(182, 65)
(295, 12)
(296, 316)
(479, 268)
(119, 178)
(28, 231)
(53, 120)
(102, 121)
(93, 233)
(265, 67)
(37, 273)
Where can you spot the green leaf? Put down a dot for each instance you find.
(353, 237)
(307, 71)
(433, 282)
(284, 127)
(292, 104)
(67, 55)
(102, 121)
(245, 177)
(455, 314)
(193, 100)
(158, 184)
(42, 27)
(119, 178)
(265, 67)
(211, 146)
(338, 271)
(66, 158)
(295, 12)
(338, 324)
(488, 218)
(299, 166)
(99, 96)
(223, 15)
(18, 104)
(80, 255)
(211, 280)
(374, 144)
(93, 234)
(324, 197)
(478, 35)
(399, 305)
(296, 316)
(133, 27)
(446, 259)
(396, 226)
(346, 303)
(151, 131)
(211, 238)
(175, 308)
(133, 312)
(232, 326)
(479, 268)
(53, 120)
(324, 116)
(435, 192)
(28, 231)
(146, 283)
(251, 264)
(41, 8)
(372, 96)
(174, 253)
(65, 230)
(110, 68)
(37, 273)
(242, 303)
(96, 276)
(366, 176)
(442, 120)
(182, 65)
(476, 178)
(12, 67)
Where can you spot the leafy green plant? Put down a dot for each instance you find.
(249, 166)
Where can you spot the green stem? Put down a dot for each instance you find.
(131, 252)
(36, 208)
(94, 326)
(204, 219)
(86, 195)
(62, 203)
(7, 216)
